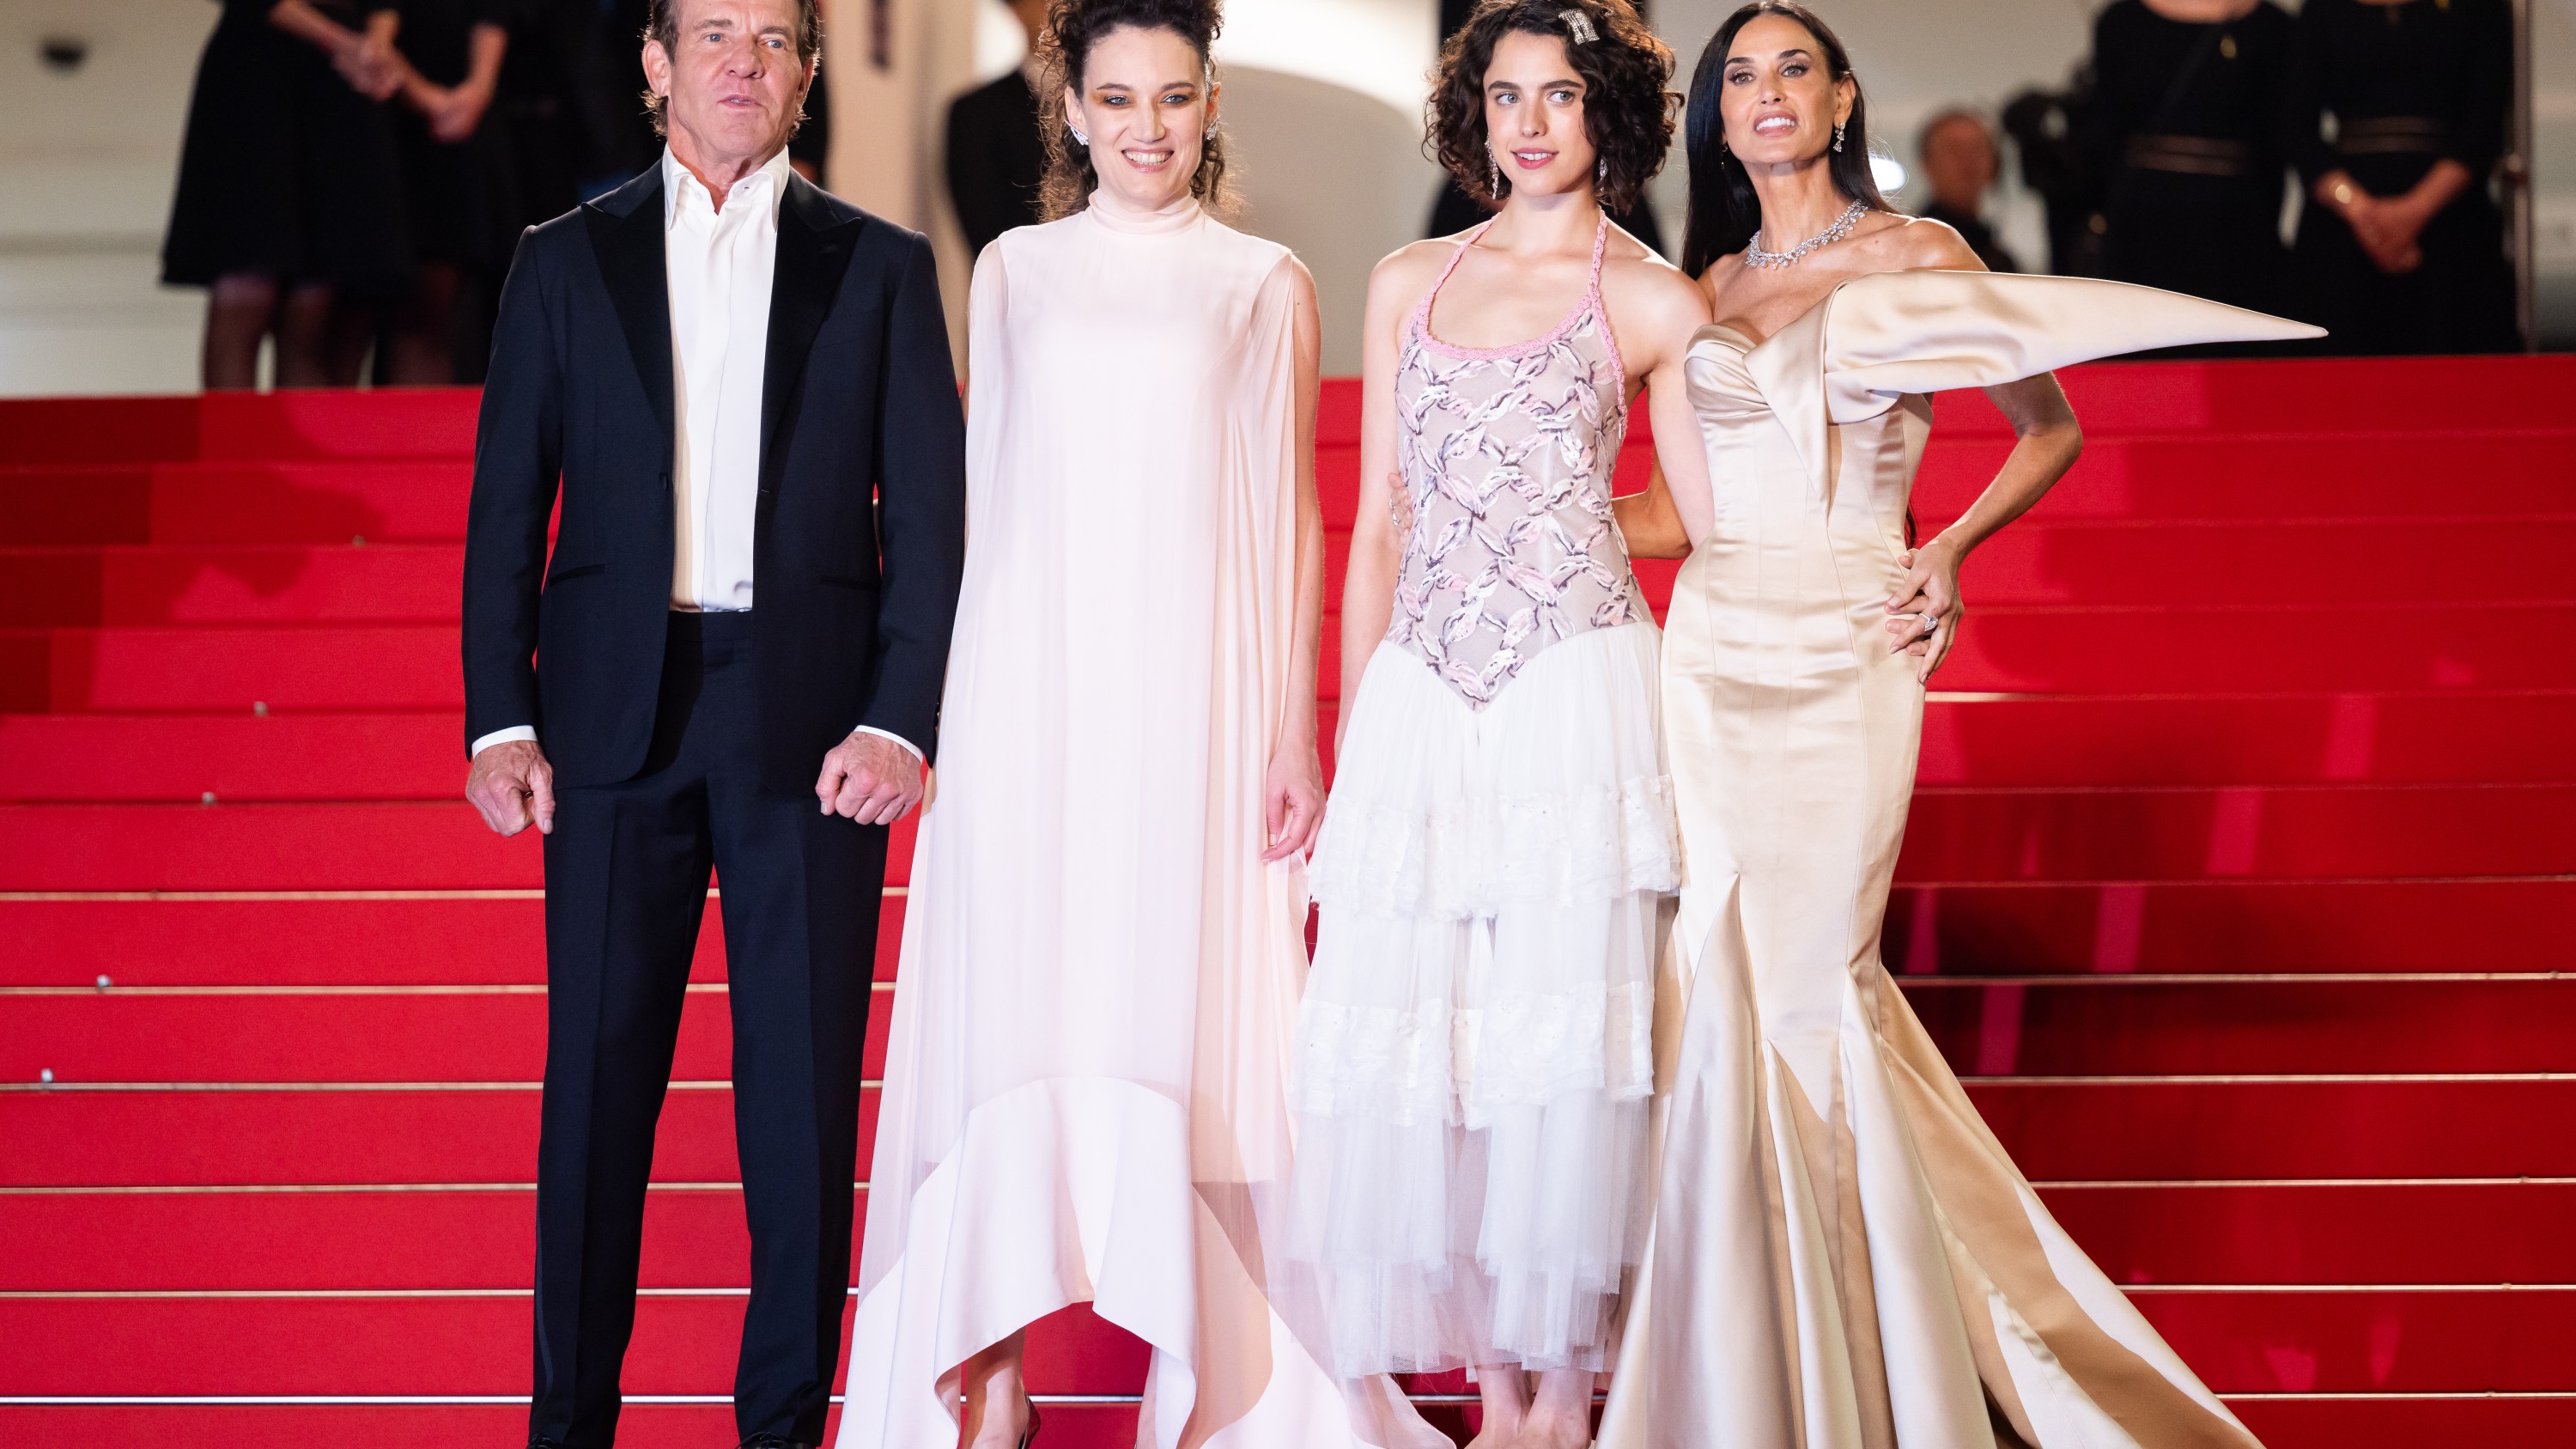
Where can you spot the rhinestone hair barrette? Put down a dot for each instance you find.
(1579, 25)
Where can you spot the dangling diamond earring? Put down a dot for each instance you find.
(1838, 135)
(1600, 168)
(1494, 179)
(1080, 139)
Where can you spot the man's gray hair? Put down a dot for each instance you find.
(663, 24)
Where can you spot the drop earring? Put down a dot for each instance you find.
(1494, 177)
(1838, 135)
(1080, 139)
(1601, 172)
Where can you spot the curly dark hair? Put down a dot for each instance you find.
(662, 23)
(1627, 108)
(1073, 28)
(1724, 214)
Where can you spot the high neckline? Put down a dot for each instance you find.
(1180, 216)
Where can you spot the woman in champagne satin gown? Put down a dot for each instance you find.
(1086, 1081)
(1843, 1256)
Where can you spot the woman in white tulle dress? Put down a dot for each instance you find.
(1085, 1092)
(1473, 1054)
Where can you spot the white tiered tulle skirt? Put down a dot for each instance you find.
(1474, 1047)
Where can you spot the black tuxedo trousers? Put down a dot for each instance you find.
(626, 885)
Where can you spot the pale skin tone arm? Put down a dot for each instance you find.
(365, 58)
(1377, 547)
(455, 111)
(2387, 226)
(1292, 795)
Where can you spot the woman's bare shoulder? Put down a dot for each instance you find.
(1906, 243)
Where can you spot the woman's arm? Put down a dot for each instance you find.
(1655, 311)
(366, 59)
(2047, 441)
(1649, 522)
(1293, 798)
(1377, 548)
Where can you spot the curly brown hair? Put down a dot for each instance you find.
(1073, 28)
(1628, 105)
(662, 25)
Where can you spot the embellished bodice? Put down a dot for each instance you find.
(1506, 456)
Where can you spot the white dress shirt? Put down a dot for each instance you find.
(720, 265)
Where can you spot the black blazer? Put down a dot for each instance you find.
(862, 504)
(996, 159)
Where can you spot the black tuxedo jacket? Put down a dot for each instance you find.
(860, 534)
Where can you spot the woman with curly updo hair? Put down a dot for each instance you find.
(1843, 1254)
(1473, 1048)
(1085, 1088)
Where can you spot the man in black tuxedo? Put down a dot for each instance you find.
(730, 379)
(996, 153)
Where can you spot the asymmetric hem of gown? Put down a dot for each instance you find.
(1843, 1257)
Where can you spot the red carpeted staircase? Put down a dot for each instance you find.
(2236, 886)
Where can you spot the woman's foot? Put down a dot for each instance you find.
(1560, 1413)
(997, 1412)
(1002, 1426)
(1505, 1396)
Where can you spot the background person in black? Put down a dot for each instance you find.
(626, 697)
(455, 50)
(288, 199)
(2186, 132)
(1960, 162)
(2401, 246)
(996, 153)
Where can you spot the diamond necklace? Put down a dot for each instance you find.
(1754, 256)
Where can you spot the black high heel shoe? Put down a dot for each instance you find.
(1029, 1435)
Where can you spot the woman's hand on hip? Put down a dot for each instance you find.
(1924, 609)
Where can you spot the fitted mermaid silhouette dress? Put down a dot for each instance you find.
(1843, 1257)
(1474, 1046)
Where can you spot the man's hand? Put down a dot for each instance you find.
(869, 779)
(514, 787)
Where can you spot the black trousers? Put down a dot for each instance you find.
(626, 886)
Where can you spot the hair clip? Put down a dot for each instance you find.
(1579, 25)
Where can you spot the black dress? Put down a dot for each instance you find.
(448, 185)
(2408, 85)
(2186, 131)
(285, 171)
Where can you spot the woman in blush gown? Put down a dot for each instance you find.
(1086, 1085)
(1843, 1256)
(1474, 1054)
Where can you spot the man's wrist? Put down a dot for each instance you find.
(909, 747)
(502, 737)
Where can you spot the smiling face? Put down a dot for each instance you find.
(733, 79)
(1146, 103)
(1534, 116)
(1779, 102)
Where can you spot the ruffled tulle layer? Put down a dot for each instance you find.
(1555, 792)
(1475, 1044)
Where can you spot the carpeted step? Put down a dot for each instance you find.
(1962, 833)
(2306, 1340)
(459, 1034)
(2106, 1026)
(397, 667)
(2052, 928)
(2068, 1026)
(2374, 1126)
(282, 755)
(236, 503)
(373, 846)
(341, 583)
(439, 938)
(264, 427)
(2336, 1234)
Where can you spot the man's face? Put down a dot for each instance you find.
(1959, 163)
(734, 81)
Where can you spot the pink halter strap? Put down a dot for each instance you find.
(1590, 306)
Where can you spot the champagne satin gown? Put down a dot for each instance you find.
(1843, 1257)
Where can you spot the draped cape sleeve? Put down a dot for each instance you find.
(1877, 338)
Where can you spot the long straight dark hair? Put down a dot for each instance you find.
(1724, 213)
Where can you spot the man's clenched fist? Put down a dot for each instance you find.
(870, 779)
(514, 787)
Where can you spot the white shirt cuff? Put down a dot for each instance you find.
(886, 734)
(503, 737)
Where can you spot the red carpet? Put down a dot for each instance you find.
(2238, 886)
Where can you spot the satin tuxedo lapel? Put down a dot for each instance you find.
(626, 235)
(813, 254)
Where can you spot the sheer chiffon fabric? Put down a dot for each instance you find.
(1843, 1256)
(1086, 1084)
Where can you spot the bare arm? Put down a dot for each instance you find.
(455, 113)
(1649, 521)
(1377, 549)
(2047, 441)
(365, 58)
(1293, 796)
